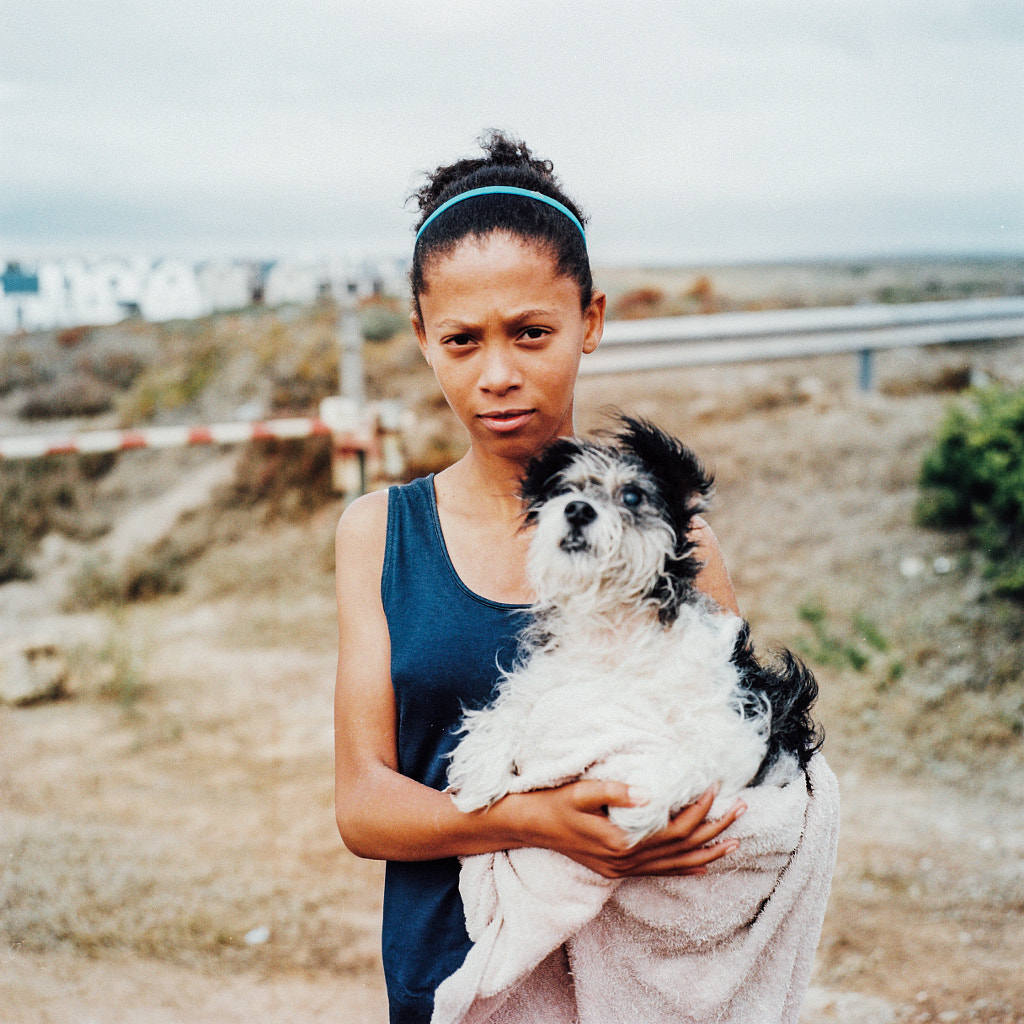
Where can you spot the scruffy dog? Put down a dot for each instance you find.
(627, 672)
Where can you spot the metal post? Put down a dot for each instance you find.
(867, 368)
(351, 383)
(344, 413)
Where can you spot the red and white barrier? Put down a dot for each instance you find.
(364, 439)
(31, 446)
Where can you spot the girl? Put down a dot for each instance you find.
(431, 579)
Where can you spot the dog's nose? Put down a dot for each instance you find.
(579, 513)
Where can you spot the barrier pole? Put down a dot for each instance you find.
(344, 413)
(351, 383)
(351, 435)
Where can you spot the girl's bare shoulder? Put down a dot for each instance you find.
(368, 512)
(361, 534)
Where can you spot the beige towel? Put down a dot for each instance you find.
(554, 942)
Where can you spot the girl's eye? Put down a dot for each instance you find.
(535, 333)
(458, 340)
(631, 497)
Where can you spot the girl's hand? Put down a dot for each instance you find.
(573, 820)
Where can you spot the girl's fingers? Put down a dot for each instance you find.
(710, 828)
(666, 861)
(592, 795)
(693, 814)
(685, 846)
(691, 828)
(693, 863)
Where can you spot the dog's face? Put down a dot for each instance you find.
(612, 521)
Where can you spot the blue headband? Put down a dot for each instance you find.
(509, 190)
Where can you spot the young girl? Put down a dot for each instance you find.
(431, 578)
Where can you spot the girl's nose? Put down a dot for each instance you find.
(500, 372)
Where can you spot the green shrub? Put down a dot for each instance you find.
(172, 384)
(827, 649)
(123, 680)
(973, 479)
(381, 322)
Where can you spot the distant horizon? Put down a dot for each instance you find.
(90, 252)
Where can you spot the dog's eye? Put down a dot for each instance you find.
(631, 497)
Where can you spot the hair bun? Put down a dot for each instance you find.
(510, 152)
(503, 151)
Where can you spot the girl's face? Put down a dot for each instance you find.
(503, 332)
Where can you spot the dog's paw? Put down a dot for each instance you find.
(638, 822)
(478, 778)
(476, 798)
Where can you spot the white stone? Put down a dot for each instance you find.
(911, 566)
(257, 936)
(825, 1005)
(30, 672)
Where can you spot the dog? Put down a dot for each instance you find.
(627, 671)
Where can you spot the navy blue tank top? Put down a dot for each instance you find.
(446, 645)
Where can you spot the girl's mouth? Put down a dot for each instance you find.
(506, 420)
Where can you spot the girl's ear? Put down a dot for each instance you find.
(593, 319)
(421, 336)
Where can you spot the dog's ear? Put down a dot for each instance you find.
(684, 481)
(542, 478)
(684, 487)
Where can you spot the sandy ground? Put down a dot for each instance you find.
(169, 851)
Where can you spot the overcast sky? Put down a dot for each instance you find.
(689, 131)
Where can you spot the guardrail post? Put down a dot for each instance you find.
(866, 359)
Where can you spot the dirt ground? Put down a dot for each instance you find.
(169, 850)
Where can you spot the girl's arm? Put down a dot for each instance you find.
(384, 815)
(713, 579)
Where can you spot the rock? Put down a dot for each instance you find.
(823, 1005)
(31, 671)
(911, 566)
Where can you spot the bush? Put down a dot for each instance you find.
(290, 476)
(639, 304)
(118, 369)
(38, 496)
(174, 383)
(973, 479)
(78, 394)
(381, 321)
(147, 575)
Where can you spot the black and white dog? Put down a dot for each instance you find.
(628, 672)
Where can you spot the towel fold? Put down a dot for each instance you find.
(555, 942)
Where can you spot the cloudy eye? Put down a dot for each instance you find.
(631, 497)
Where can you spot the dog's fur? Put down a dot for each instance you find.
(628, 672)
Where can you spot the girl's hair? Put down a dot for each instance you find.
(507, 162)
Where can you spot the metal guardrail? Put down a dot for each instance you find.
(702, 340)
